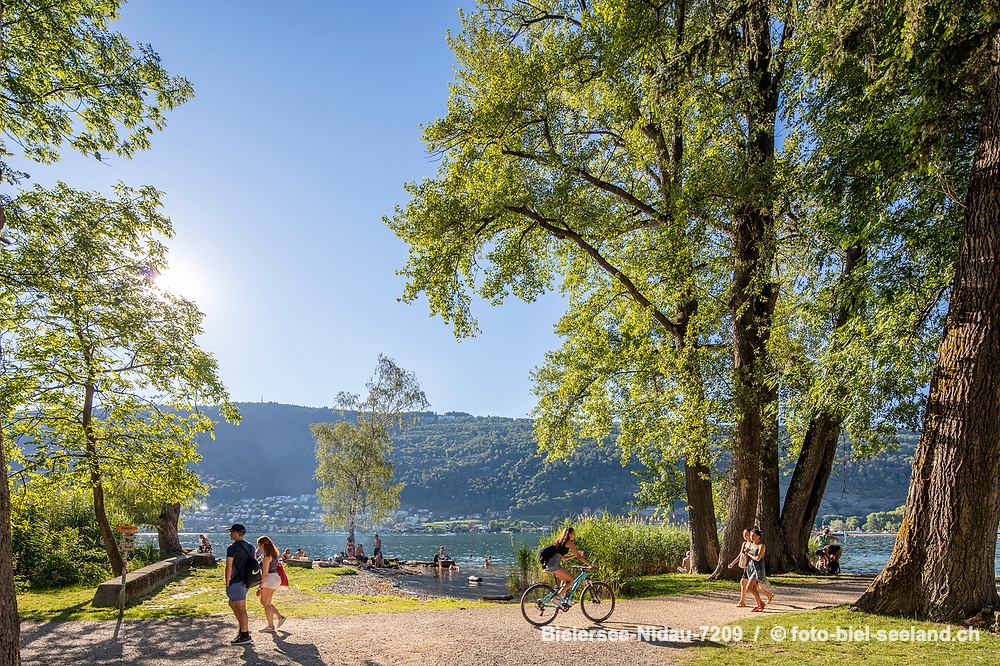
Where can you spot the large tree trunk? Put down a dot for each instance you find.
(10, 624)
(701, 513)
(166, 530)
(819, 450)
(805, 493)
(942, 566)
(752, 303)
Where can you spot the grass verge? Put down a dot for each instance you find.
(199, 593)
(759, 644)
(673, 584)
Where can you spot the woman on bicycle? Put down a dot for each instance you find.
(562, 548)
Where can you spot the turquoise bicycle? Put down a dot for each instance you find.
(597, 600)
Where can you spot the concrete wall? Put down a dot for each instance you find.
(144, 580)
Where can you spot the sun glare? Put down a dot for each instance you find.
(187, 280)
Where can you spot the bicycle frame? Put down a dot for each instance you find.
(572, 591)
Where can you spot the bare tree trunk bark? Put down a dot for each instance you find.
(10, 624)
(701, 512)
(819, 450)
(805, 492)
(942, 566)
(752, 303)
(166, 530)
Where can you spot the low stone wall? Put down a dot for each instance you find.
(292, 562)
(142, 581)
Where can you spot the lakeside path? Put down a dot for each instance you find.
(494, 635)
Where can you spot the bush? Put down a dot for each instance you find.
(525, 570)
(56, 540)
(625, 548)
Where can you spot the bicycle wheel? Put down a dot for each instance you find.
(597, 601)
(534, 606)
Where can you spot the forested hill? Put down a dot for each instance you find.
(453, 464)
(459, 464)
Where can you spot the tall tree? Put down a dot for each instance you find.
(568, 150)
(112, 373)
(948, 63)
(67, 78)
(356, 479)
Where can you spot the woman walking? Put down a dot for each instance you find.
(755, 568)
(271, 581)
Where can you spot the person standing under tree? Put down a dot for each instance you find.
(238, 557)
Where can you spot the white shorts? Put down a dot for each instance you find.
(271, 581)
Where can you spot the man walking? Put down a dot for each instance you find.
(237, 559)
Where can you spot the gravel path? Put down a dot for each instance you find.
(495, 635)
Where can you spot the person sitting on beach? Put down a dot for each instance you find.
(301, 554)
(441, 555)
(204, 545)
(685, 566)
(829, 559)
(350, 550)
(379, 561)
(286, 554)
(359, 553)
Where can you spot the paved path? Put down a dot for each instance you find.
(481, 636)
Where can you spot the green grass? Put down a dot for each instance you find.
(199, 593)
(673, 584)
(766, 650)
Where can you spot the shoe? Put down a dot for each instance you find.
(769, 600)
(742, 604)
(281, 621)
(243, 639)
(563, 604)
(756, 609)
(268, 630)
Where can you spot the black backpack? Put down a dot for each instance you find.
(545, 554)
(252, 575)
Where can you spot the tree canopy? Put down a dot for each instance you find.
(356, 478)
(103, 373)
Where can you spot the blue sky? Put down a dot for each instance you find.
(303, 129)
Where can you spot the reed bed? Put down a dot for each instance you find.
(626, 548)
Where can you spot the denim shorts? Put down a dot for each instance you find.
(237, 591)
(554, 563)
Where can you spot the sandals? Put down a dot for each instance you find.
(769, 600)
(757, 609)
(742, 604)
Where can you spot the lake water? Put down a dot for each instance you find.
(868, 553)
(468, 550)
(863, 554)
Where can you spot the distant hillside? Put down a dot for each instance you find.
(457, 464)
(461, 464)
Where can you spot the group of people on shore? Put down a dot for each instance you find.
(357, 552)
(239, 558)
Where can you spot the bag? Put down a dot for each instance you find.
(546, 554)
(744, 559)
(282, 575)
(252, 574)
